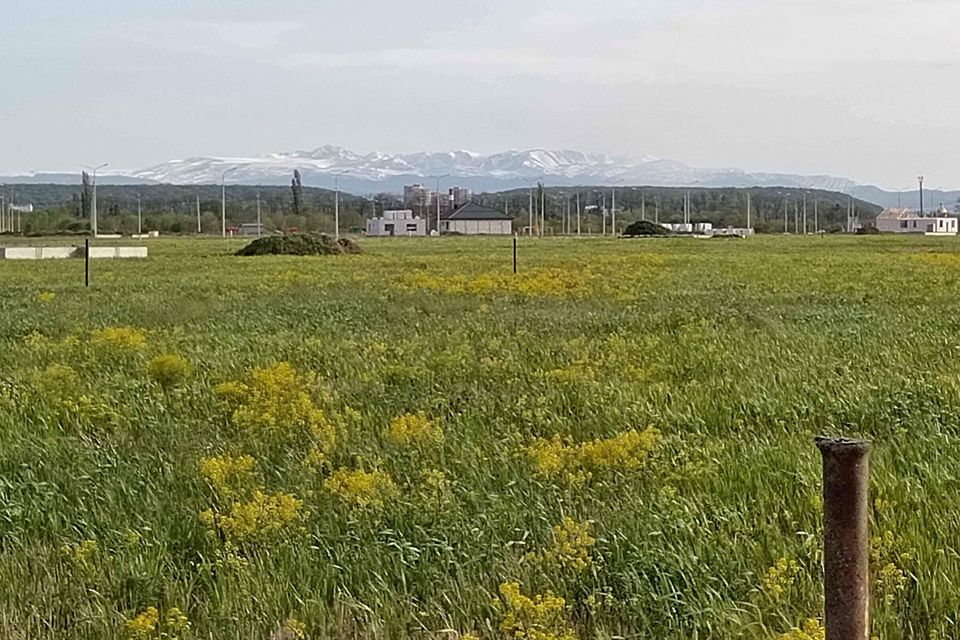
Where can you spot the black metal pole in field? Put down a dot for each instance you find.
(846, 537)
(86, 262)
(514, 253)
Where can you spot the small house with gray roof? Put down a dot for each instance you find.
(474, 219)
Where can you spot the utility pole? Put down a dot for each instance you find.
(578, 214)
(603, 213)
(816, 215)
(259, 226)
(804, 214)
(530, 211)
(199, 230)
(643, 206)
(613, 208)
(543, 210)
(93, 203)
(786, 208)
(748, 210)
(920, 178)
(439, 178)
(139, 217)
(656, 211)
(336, 205)
(223, 200)
(613, 211)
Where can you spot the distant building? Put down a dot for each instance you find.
(397, 222)
(417, 196)
(420, 199)
(896, 220)
(474, 219)
(251, 229)
(459, 196)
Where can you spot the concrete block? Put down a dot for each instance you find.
(56, 252)
(21, 253)
(102, 252)
(131, 252)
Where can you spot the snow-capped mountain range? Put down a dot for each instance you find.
(496, 171)
(376, 172)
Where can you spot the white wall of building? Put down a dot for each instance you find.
(917, 225)
(396, 227)
(479, 227)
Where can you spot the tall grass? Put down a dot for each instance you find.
(736, 353)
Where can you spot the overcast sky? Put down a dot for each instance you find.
(865, 89)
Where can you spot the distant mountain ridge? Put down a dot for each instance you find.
(500, 170)
(376, 171)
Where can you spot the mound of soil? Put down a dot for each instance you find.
(644, 228)
(299, 244)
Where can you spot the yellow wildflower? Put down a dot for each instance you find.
(554, 282)
(414, 428)
(292, 629)
(120, 338)
(436, 489)
(46, 296)
(232, 391)
(571, 545)
(780, 577)
(275, 405)
(177, 622)
(886, 558)
(811, 630)
(628, 450)
(168, 370)
(362, 489)
(144, 624)
(572, 375)
(228, 475)
(542, 617)
(256, 519)
(624, 452)
(82, 553)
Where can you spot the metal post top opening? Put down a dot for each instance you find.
(837, 444)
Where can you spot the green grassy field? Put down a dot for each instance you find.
(414, 442)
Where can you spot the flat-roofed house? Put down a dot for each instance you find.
(397, 222)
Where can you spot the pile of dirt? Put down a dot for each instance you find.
(644, 228)
(299, 244)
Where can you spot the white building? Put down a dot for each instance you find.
(895, 220)
(474, 219)
(397, 222)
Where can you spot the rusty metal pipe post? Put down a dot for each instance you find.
(846, 537)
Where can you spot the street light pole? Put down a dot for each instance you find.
(533, 214)
(439, 178)
(336, 204)
(578, 214)
(223, 200)
(259, 226)
(920, 178)
(93, 203)
(543, 210)
(613, 208)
